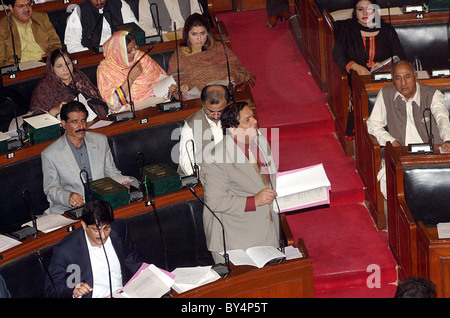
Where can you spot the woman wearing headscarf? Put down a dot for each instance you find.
(63, 82)
(202, 60)
(121, 54)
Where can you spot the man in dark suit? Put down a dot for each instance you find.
(79, 267)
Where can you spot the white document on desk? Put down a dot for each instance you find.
(150, 282)
(302, 188)
(7, 243)
(187, 278)
(50, 222)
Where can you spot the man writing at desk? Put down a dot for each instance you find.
(237, 178)
(398, 114)
(34, 35)
(74, 151)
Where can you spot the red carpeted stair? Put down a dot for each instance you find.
(341, 238)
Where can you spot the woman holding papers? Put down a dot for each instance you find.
(118, 70)
(364, 41)
(64, 82)
(202, 60)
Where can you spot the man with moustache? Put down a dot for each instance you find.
(92, 23)
(74, 151)
(237, 177)
(398, 114)
(34, 35)
(79, 267)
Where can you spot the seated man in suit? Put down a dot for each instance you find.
(92, 23)
(34, 35)
(79, 266)
(237, 178)
(73, 152)
(202, 128)
(398, 115)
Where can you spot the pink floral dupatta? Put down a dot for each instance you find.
(113, 70)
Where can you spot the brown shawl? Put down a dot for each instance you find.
(210, 65)
(51, 92)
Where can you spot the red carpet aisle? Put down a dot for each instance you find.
(341, 238)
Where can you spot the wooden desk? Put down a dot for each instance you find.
(416, 248)
(367, 149)
(290, 279)
(147, 117)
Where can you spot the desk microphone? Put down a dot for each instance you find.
(222, 38)
(429, 132)
(86, 184)
(15, 67)
(222, 270)
(140, 159)
(39, 255)
(174, 105)
(13, 144)
(100, 18)
(27, 231)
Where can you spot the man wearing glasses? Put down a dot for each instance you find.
(34, 35)
(78, 266)
(202, 130)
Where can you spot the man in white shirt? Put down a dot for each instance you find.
(402, 108)
(91, 23)
(169, 11)
(79, 267)
(202, 130)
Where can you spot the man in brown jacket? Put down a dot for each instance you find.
(34, 35)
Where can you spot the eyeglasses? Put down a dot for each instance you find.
(134, 48)
(21, 6)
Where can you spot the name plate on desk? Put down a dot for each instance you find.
(110, 191)
(420, 148)
(162, 179)
(382, 77)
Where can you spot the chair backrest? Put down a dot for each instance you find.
(159, 144)
(16, 177)
(426, 40)
(426, 191)
(25, 276)
(181, 231)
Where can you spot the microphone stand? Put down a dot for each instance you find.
(223, 271)
(27, 231)
(15, 67)
(106, 256)
(151, 201)
(158, 37)
(13, 144)
(173, 104)
(39, 255)
(129, 114)
(222, 38)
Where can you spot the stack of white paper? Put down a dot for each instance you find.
(443, 230)
(148, 282)
(7, 243)
(302, 188)
(41, 121)
(50, 222)
(187, 278)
